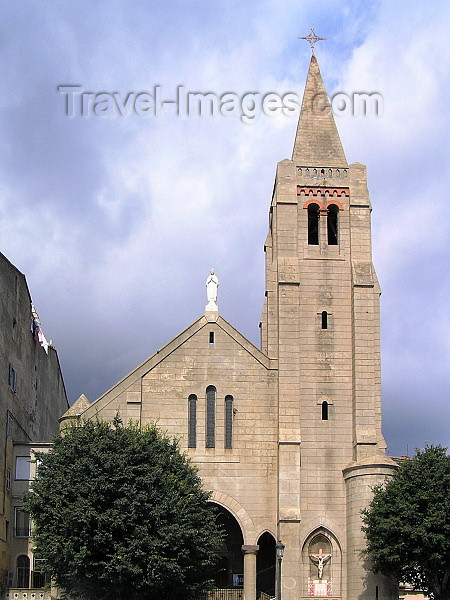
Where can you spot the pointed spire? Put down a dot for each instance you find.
(317, 142)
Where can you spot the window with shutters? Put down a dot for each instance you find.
(210, 416)
(192, 421)
(228, 421)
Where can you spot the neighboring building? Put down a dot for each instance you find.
(32, 396)
(27, 579)
(288, 438)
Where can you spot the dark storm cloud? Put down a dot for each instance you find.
(117, 221)
(50, 160)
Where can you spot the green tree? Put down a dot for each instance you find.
(407, 524)
(119, 512)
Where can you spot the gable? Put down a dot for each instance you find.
(187, 364)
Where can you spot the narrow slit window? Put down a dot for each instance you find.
(324, 410)
(12, 378)
(210, 416)
(192, 418)
(313, 225)
(228, 421)
(332, 225)
(324, 319)
(211, 339)
(10, 426)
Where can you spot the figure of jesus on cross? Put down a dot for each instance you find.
(320, 560)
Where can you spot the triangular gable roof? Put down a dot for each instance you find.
(160, 355)
(78, 407)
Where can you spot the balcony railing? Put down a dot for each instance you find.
(230, 594)
(40, 594)
(27, 594)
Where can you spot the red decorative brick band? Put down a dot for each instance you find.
(324, 204)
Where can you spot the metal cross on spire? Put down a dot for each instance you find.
(312, 38)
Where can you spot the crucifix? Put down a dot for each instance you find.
(320, 560)
(312, 38)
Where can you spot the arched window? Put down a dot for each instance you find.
(313, 225)
(210, 416)
(192, 418)
(332, 225)
(23, 571)
(324, 319)
(324, 410)
(228, 421)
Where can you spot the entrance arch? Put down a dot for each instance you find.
(265, 564)
(239, 512)
(229, 571)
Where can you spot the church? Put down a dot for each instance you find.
(286, 436)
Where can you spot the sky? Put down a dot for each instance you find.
(116, 220)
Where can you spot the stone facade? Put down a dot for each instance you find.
(32, 397)
(288, 438)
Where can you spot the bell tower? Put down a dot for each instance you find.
(321, 322)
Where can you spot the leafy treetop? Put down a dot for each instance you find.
(407, 524)
(119, 512)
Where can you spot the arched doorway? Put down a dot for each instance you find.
(23, 571)
(229, 571)
(265, 564)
